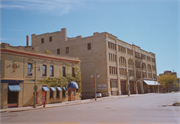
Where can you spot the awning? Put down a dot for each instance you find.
(64, 88)
(73, 84)
(59, 88)
(52, 89)
(14, 88)
(151, 82)
(44, 88)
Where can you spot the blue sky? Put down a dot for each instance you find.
(151, 24)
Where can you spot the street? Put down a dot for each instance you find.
(138, 109)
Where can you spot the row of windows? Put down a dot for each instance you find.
(122, 71)
(129, 51)
(67, 49)
(44, 70)
(112, 57)
(57, 94)
(42, 39)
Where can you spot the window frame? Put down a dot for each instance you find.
(29, 69)
(50, 38)
(67, 50)
(42, 40)
(58, 51)
(51, 71)
(44, 70)
(64, 71)
(89, 46)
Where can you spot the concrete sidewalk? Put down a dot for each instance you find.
(66, 103)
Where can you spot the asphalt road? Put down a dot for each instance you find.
(141, 109)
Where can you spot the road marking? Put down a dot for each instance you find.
(63, 123)
(113, 122)
(155, 123)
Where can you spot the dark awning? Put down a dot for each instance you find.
(64, 88)
(73, 84)
(53, 89)
(59, 88)
(44, 88)
(14, 88)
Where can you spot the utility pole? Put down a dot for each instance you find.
(35, 87)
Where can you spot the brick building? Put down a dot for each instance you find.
(106, 55)
(18, 75)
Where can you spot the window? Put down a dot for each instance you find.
(29, 69)
(51, 71)
(112, 70)
(89, 46)
(113, 84)
(137, 54)
(73, 73)
(64, 93)
(154, 67)
(144, 66)
(58, 51)
(129, 51)
(143, 56)
(148, 58)
(138, 64)
(144, 75)
(122, 62)
(130, 63)
(122, 49)
(64, 71)
(67, 50)
(149, 75)
(42, 40)
(112, 45)
(131, 72)
(122, 71)
(149, 67)
(138, 74)
(153, 60)
(44, 70)
(51, 94)
(57, 93)
(112, 57)
(50, 38)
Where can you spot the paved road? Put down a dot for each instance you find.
(141, 109)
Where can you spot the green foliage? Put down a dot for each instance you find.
(166, 80)
(63, 81)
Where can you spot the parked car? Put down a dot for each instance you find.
(98, 95)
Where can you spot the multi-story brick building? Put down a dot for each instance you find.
(18, 76)
(113, 60)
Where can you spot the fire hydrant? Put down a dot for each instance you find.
(44, 103)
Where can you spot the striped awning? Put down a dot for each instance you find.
(14, 88)
(52, 89)
(59, 88)
(44, 88)
(64, 88)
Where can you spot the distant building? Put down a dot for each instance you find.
(18, 75)
(106, 55)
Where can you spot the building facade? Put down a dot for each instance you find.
(102, 53)
(20, 66)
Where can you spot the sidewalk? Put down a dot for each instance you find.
(67, 103)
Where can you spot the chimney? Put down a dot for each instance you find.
(27, 40)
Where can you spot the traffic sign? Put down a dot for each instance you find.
(32, 80)
(35, 87)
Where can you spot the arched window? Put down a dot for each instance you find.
(149, 67)
(143, 66)
(122, 61)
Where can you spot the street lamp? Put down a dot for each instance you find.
(95, 74)
(35, 86)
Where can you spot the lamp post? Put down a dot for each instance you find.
(95, 72)
(35, 86)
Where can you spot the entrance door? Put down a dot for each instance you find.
(43, 96)
(139, 87)
(73, 95)
(12, 99)
(123, 88)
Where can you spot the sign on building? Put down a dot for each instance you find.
(102, 86)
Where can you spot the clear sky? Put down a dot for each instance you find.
(151, 24)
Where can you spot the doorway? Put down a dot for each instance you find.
(12, 99)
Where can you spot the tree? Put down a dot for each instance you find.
(64, 81)
(166, 80)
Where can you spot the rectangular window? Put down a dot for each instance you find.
(113, 84)
(73, 73)
(51, 71)
(29, 69)
(44, 70)
(89, 46)
(50, 38)
(42, 40)
(58, 51)
(57, 94)
(51, 94)
(64, 71)
(67, 50)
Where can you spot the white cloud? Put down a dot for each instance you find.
(59, 7)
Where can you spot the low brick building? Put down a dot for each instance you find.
(103, 53)
(19, 65)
